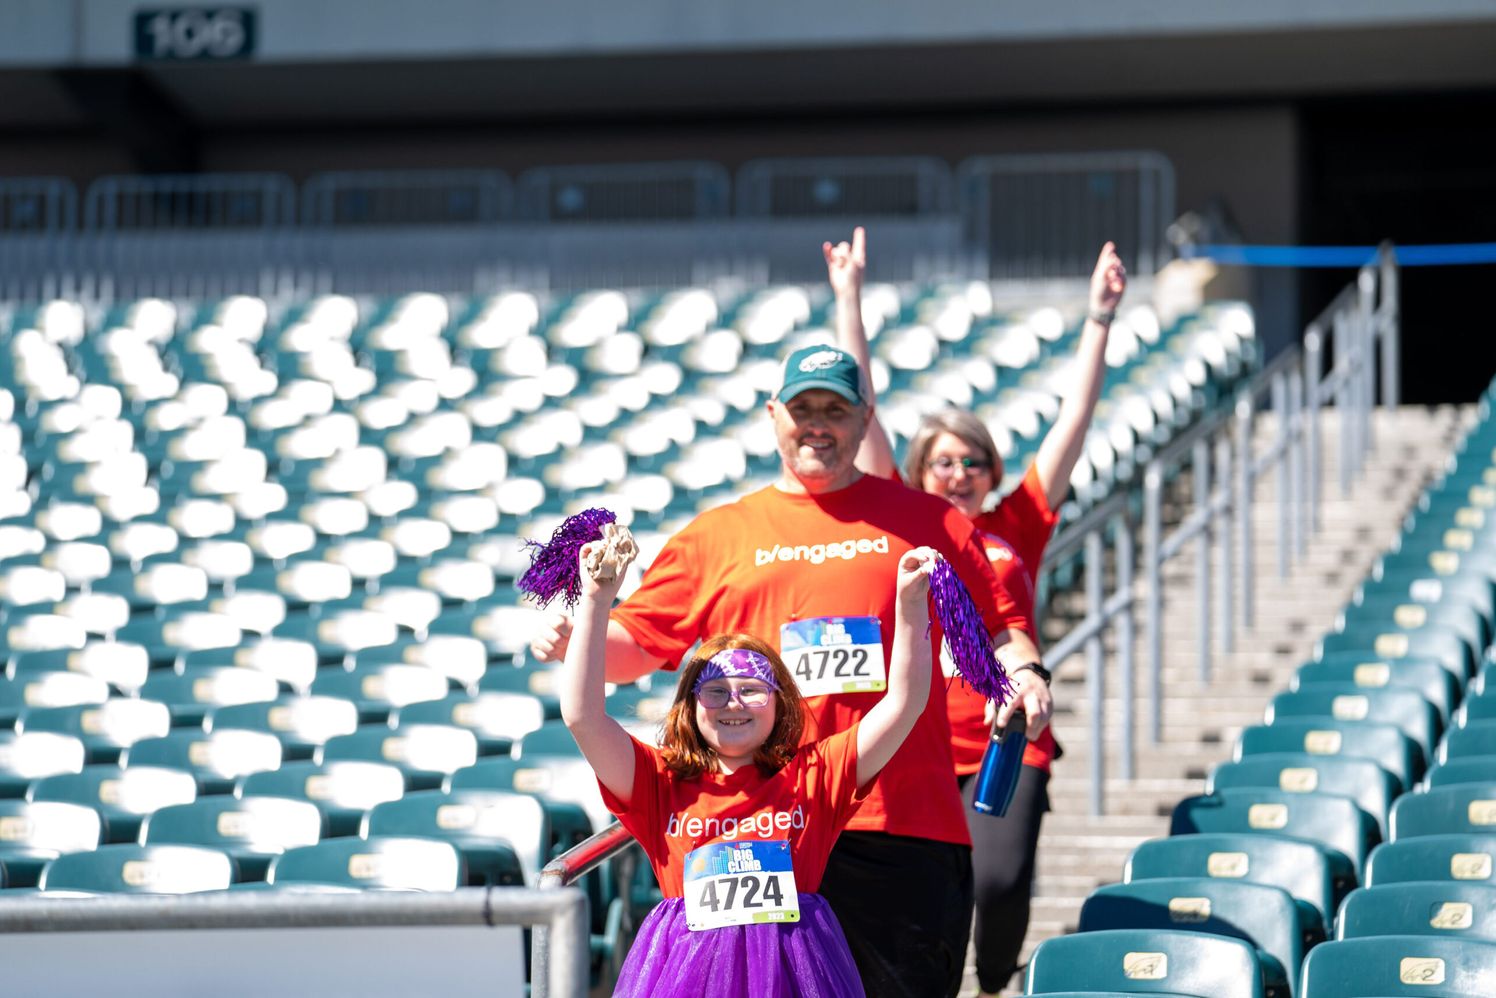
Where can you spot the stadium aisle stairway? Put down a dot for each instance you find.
(1378, 764)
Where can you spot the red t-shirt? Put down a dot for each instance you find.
(771, 558)
(807, 802)
(1014, 534)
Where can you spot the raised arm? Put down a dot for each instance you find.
(626, 660)
(845, 265)
(581, 684)
(884, 728)
(1064, 442)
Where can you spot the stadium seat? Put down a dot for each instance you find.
(1388, 966)
(107, 729)
(1384, 744)
(137, 869)
(1470, 769)
(252, 830)
(1431, 679)
(36, 755)
(425, 753)
(383, 863)
(1447, 909)
(539, 683)
(34, 833)
(1144, 961)
(1304, 869)
(497, 720)
(123, 797)
(303, 724)
(342, 791)
(1405, 708)
(1334, 822)
(1433, 857)
(123, 666)
(1268, 918)
(504, 838)
(1473, 738)
(1461, 808)
(47, 689)
(216, 760)
(378, 690)
(570, 823)
(190, 694)
(1369, 785)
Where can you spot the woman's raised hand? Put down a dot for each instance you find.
(1108, 281)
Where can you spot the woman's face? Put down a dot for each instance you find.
(736, 729)
(959, 472)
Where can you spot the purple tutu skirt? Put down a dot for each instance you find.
(804, 959)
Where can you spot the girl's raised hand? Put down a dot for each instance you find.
(914, 573)
(603, 562)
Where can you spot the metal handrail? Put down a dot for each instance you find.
(563, 872)
(563, 913)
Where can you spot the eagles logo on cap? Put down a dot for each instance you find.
(824, 367)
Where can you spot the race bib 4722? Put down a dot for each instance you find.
(834, 655)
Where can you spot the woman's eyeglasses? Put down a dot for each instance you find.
(752, 696)
(945, 467)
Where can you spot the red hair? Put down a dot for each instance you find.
(686, 753)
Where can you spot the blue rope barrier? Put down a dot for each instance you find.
(1427, 255)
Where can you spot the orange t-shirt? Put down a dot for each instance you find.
(807, 802)
(1014, 535)
(771, 558)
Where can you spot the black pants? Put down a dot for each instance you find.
(1002, 859)
(905, 905)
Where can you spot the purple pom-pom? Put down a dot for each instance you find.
(966, 635)
(553, 567)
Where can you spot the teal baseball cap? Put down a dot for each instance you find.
(821, 367)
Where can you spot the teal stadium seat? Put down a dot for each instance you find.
(1447, 909)
(1461, 808)
(137, 869)
(303, 724)
(426, 754)
(1470, 769)
(1345, 701)
(216, 760)
(1431, 679)
(504, 838)
(33, 834)
(1334, 822)
(123, 797)
(1395, 966)
(1363, 781)
(1384, 744)
(1473, 738)
(191, 694)
(342, 791)
(1268, 918)
(497, 720)
(1146, 961)
(1465, 858)
(383, 863)
(1306, 870)
(106, 729)
(25, 758)
(251, 830)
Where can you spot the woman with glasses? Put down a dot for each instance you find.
(952, 455)
(736, 815)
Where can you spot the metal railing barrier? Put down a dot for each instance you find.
(562, 913)
(626, 192)
(563, 872)
(368, 198)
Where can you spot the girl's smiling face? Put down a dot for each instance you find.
(735, 730)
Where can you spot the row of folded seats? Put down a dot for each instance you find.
(1347, 850)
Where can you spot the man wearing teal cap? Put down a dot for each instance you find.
(808, 564)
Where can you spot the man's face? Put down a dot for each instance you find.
(818, 433)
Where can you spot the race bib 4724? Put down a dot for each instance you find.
(740, 883)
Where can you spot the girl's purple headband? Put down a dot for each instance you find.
(736, 663)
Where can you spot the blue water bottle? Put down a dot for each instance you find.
(998, 777)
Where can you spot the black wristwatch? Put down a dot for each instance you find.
(1036, 669)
